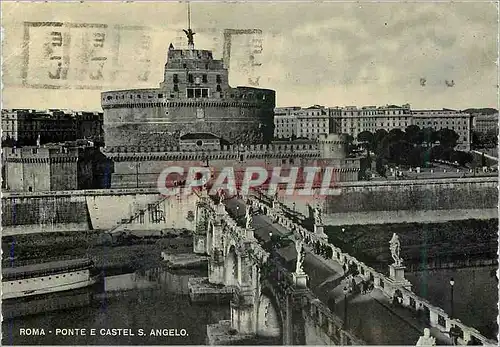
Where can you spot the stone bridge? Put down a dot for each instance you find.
(269, 300)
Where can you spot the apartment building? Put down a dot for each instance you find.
(312, 121)
(458, 121)
(24, 126)
(301, 122)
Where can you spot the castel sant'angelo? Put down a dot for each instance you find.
(194, 97)
(196, 118)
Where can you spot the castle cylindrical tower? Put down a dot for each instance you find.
(194, 97)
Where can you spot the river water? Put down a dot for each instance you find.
(149, 299)
(475, 294)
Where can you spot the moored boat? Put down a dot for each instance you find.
(48, 277)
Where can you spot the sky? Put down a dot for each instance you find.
(333, 54)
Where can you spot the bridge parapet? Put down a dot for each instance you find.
(330, 324)
(433, 315)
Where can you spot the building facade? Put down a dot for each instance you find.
(22, 127)
(485, 123)
(309, 122)
(195, 96)
(305, 123)
(285, 122)
(52, 167)
(446, 119)
(355, 120)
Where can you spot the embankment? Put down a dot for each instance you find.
(436, 200)
(407, 201)
(25, 213)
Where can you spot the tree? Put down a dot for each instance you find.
(380, 163)
(396, 135)
(366, 138)
(416, 157)
(379, 135)
(447, 137)
(414, 135)
(461, 157)
(441, 152)
(428, 136)
(399, 152)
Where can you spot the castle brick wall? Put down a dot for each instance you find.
(152, 123)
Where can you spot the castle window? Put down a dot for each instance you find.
(176, 87)
(205, 80)
(190, 78)
(218, 79)
(197, 92)
(175, 78)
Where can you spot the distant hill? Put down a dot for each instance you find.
(481, 110)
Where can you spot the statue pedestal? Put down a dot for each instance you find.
(250, 233)
(397, 276)
(300, 279)
(320, 231)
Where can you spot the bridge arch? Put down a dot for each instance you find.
(271, 310)
(231, 267)
(269, 316)
(210, 236)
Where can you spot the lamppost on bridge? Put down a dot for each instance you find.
(452, 284)
(345, 291)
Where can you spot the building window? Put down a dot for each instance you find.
(176, 87)
(205, 80)
(175, 78)
(218, 79)
(190, 78)
(197, 93)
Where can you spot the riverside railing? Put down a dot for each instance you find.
(433, 315)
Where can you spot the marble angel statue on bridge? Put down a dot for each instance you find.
(395, 247)
(249, 220)
(221, 195)
(318, 220)
(299, 247)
